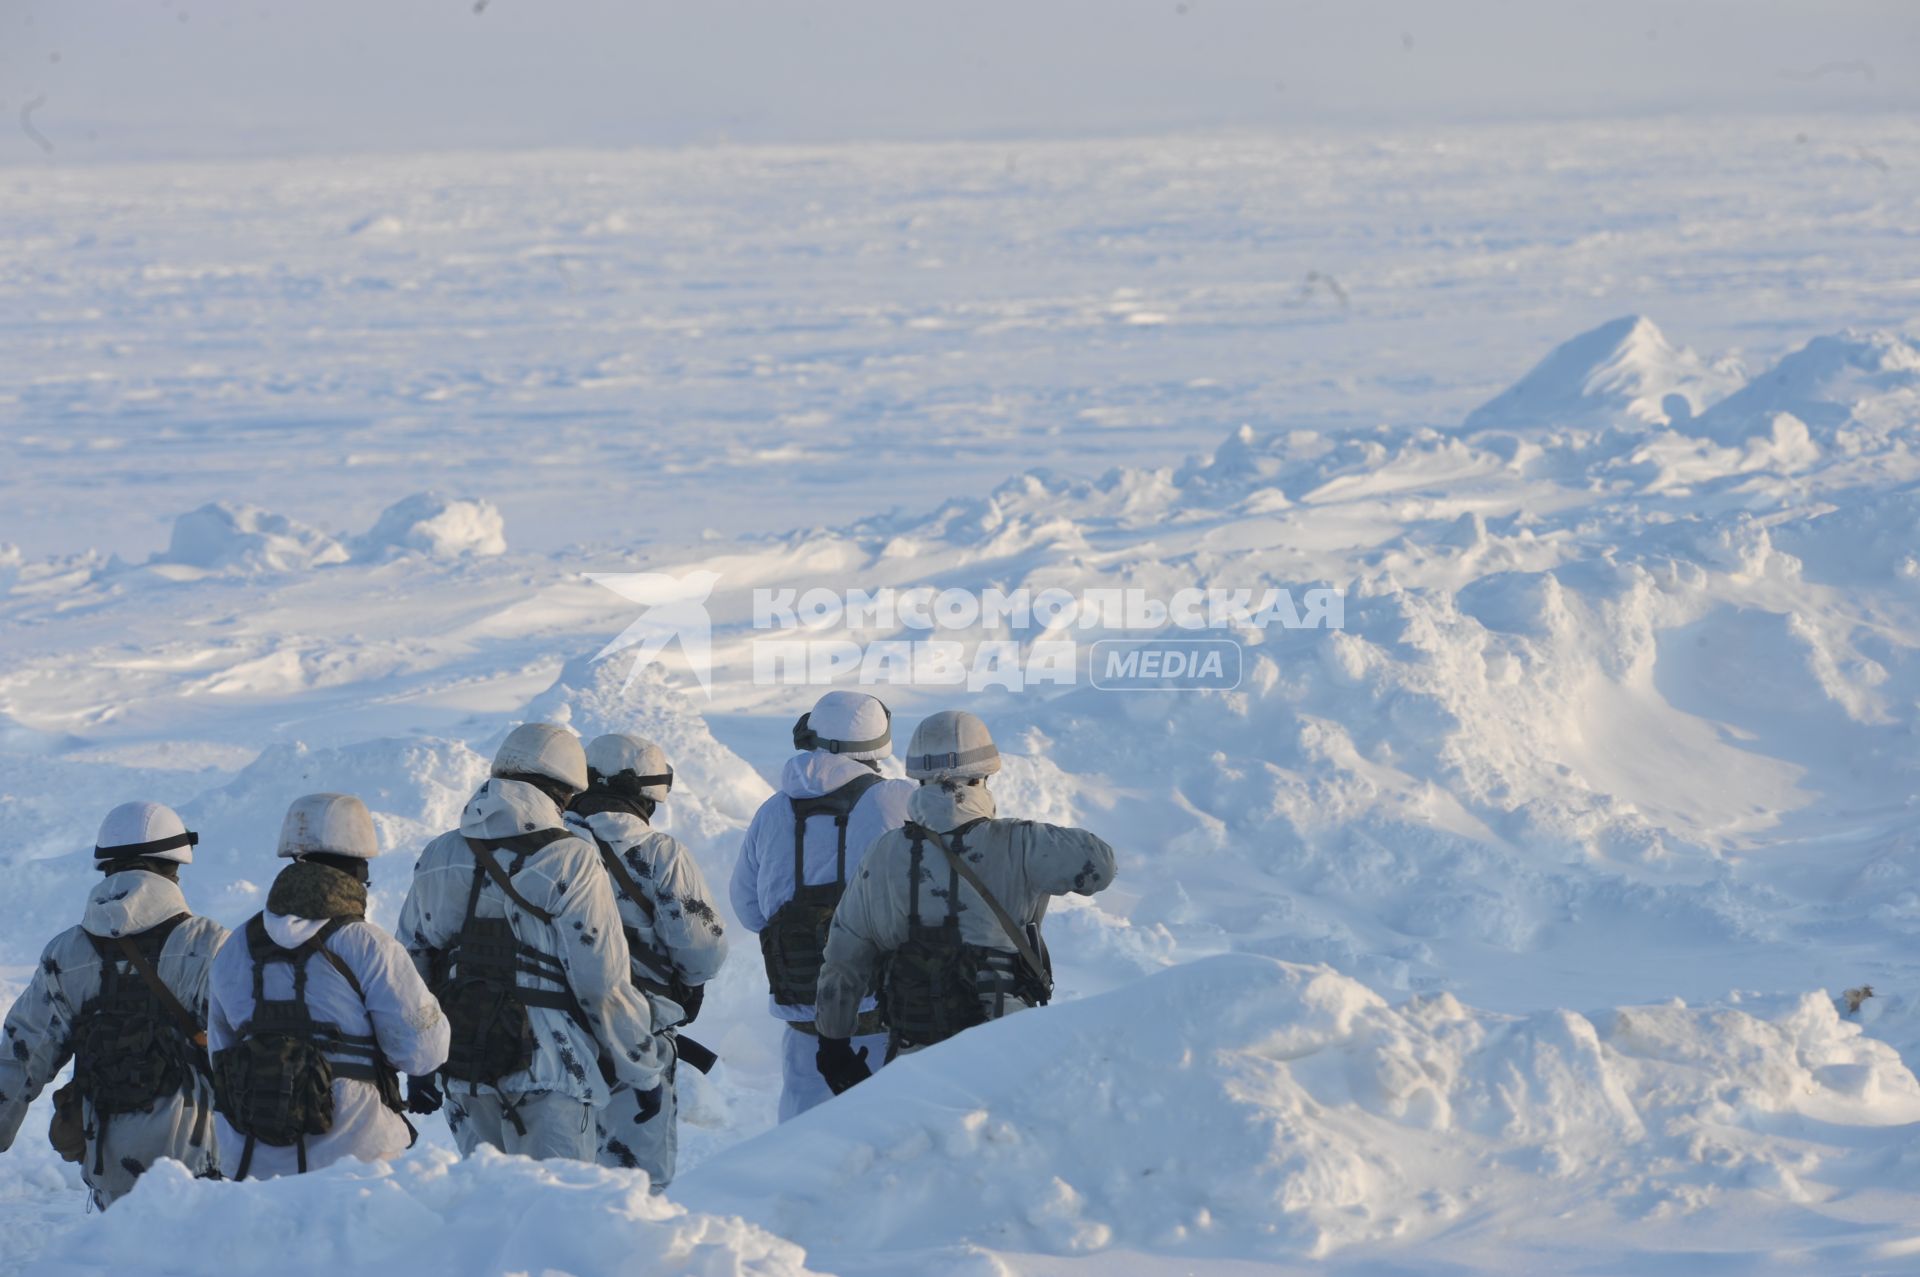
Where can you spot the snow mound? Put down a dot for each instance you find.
(426, 1215)
(1867, 384)
(437, 526)
(715, 791)
(224, 536)
(1239, 1107)
(414, 788)
(1622, 373)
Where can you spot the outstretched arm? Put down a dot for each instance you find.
(1060, 860)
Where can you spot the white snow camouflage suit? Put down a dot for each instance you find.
(546, 1109)
(763, 881)
(397, 1012)
(680, 938)
(1023, 862)
(40, 1030)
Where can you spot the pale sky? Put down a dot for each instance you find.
(111, 79)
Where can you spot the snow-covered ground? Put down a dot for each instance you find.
(1500, 930)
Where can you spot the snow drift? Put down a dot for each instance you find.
(1622, 709)
(1238, 1107)
(430, 1215)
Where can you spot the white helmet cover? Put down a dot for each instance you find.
(144, 829)
(850, 723)
(952, 744)
(541, 749)
(328, 824)
(629, 765)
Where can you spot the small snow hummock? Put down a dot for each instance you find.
(225, 536)
(437, 526)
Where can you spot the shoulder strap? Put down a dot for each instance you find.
(319, 945)
(850, 794)
(1000, 914)
(617, 869)
(839, 804)
(483, 856)
(166, 997)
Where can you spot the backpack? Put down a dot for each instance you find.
(481, 994)
(134, 1043)
(794, 941)
(935, 984)
(275, 1084)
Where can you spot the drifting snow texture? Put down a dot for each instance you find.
(436, 526)
(1240, 1107)
(1622, 371)
(632, 346)
(225, 537)
(429, 1216)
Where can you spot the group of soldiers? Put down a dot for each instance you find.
(551, 953)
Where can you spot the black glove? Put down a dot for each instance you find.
(690, 1000)
(423, 1097)
(651, 1102)
(843, 1067)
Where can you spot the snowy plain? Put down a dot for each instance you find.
(1499, 931)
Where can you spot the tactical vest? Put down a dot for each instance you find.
(485, 1004)
(936, 983)
(134, 1043)
(275, 1084)
(794, 942)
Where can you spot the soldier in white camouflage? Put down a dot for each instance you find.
(944, 914)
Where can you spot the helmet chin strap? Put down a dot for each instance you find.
(168, 869)
(352, 866)
(558, 790)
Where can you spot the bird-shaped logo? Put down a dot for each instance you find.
(676, 608)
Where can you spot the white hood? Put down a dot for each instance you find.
(504, 808)
(818, 772)
(129, 902)
(289, 932)
(941, 807)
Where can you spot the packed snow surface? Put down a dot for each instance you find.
(1503, 928)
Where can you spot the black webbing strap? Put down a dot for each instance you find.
(1000, 914)
(623, 877)
(262, 949)
(128, 948)
(839, 804)
(126, 851)
(521, 845)
(172, 1004)
(532, 961)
